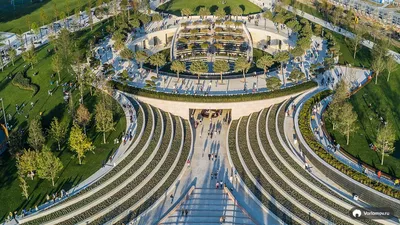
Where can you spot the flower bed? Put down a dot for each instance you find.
(158, 133)
(305, 129)
(249, 183)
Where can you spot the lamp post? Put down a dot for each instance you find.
(4, 113)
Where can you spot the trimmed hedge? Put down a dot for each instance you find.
(21, 81)
(305, 129)
(249, 183)
(227, 98)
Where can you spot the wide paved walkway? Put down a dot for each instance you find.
(204, 172)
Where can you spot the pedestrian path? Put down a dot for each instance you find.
(208, 206)
(207, 166)
(322, 138)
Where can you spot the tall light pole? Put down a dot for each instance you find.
(4, 113)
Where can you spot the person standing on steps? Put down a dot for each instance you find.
(186, 212)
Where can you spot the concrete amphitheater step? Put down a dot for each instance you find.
(92, 204)
(285, 211)
(310, 197)
(208, 206)
(87, 194)
(163, 137)
(134, 206)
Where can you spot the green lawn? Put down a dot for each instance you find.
(50, 106)
(383, 98)
(12, 20)
(175, 6)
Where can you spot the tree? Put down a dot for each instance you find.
(178, 67)
(220, 13)
(13, 54)
(65, 48)
(24, 186)
(237, 11)
(58, 131)
(265, 62)
(30, 57)
(203, 12)
(104, 119)
(82, 116)
(156, 17)
(378, 65)
(294, 25)
(357, 39)
(342, 92)
(27, 162)
(267, 15)
(127, 54)
(186, 12)
(158, 60)
(57, 65)
(296, 75)
(221, 66)
(90, 15)
(391, 66)
(36, 138)
(43, 17)
(15, 143)
(273, 83)
(35, 28)
(385, 140)
(198, 67)
(49, 166)
(297, 52)
(241, 64)
(79, 143)
(141, 57)
(282, 57)
(347, 120)
(318, 29)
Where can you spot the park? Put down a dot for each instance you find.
(177, 112)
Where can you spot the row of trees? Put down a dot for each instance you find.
(219, 12)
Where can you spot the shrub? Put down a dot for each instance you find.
(21, 81)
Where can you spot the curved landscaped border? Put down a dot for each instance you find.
(220, 98)
(369, 190)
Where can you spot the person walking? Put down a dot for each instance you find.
(217, 185)
(172, 198)
(212, 156)
(186, 212)
(209, 156)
